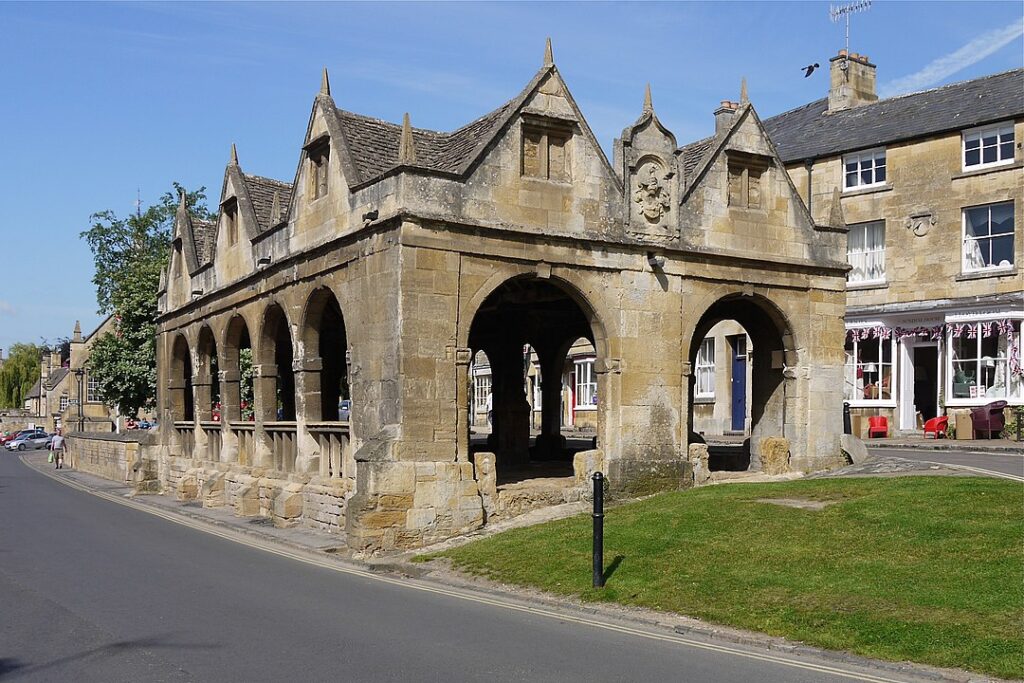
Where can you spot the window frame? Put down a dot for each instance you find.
(318, 152)
(590, 385)
(65, 402)
(964, 267)
(548, 130)
(869, 281)
(860, 157)
(482, 385)
(705, 367)
(950, 370)
(979, 132)
(92, 390)
(893, 372)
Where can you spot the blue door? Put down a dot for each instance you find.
(739, 382)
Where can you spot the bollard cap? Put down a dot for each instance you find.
(598, 476)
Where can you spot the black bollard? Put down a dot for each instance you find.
(847, 428)
(598, 530)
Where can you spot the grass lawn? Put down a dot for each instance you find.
(928, 569)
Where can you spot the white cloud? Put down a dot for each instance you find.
(947, 65)
(6, 308)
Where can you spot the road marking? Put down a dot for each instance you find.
(460, 594)
(976, 470)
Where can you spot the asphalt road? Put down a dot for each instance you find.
(996, 463)
(91, 590)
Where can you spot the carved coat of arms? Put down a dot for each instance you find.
(652, 196)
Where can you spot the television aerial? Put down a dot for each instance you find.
(838, 12)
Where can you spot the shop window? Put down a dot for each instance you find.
(985, 361)
(868, 374)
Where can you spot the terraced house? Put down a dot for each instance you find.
(930, 185)
(315, 341)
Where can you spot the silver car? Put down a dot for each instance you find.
(30, 441)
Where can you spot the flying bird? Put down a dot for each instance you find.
(809, 69)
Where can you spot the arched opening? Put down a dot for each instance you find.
(182, 405)
(277, 392)
(326, 347)
(237, 392)
(207, 380)
(524, 331)
(737, 392)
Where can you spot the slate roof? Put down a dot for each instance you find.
(34, 391)
(204, 236)
(56, 377)
(261, 192)
(808, 132)
(374, 143)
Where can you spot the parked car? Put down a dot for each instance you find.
(7, 438)
(30, 441)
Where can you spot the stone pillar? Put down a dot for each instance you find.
(550, 442)
(463, 357)
(510, 435)
(176, 399)
(230, 411)
(202, 386)
(264, 410)
(308, 409)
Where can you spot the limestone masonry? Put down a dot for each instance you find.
(315, 341)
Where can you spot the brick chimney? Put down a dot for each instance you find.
(724, 114)
(852, 81)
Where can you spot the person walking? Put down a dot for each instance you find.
(490, 410)
(57, 449)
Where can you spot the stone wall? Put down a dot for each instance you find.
(108, 455)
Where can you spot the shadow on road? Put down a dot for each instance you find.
(15, 668)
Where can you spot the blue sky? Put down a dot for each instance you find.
(104, 100)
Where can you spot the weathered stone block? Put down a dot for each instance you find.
(774, 455)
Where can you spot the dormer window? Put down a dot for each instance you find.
(745, 173)
(545, 152)
(231, 220)
(319, 153)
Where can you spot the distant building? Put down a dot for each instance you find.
(931, 188)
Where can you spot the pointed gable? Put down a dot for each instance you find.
(739, 199)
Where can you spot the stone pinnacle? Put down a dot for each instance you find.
(406, 147)
(648, 104)
(743, 91)
(549, 57)
(234, 155)
(325, 83)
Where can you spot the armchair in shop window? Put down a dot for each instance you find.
(878, 425)
(936, 427)
(989, 419)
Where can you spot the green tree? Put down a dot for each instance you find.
(129, 254)
(18, 373)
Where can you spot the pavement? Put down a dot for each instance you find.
(98, 585)
(973, 445)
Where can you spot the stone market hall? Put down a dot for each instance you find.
(315, 340)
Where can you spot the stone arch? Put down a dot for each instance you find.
(236, 362)
(182, 405)
(773, 350)
(207, 380)
(547, 315)
(565, 280)
(273, 359)
(325, 356)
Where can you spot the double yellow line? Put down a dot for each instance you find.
(461, 594)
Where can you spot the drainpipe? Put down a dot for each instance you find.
(809, 164)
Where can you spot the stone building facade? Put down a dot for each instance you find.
(931, 187)
(397, 253)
